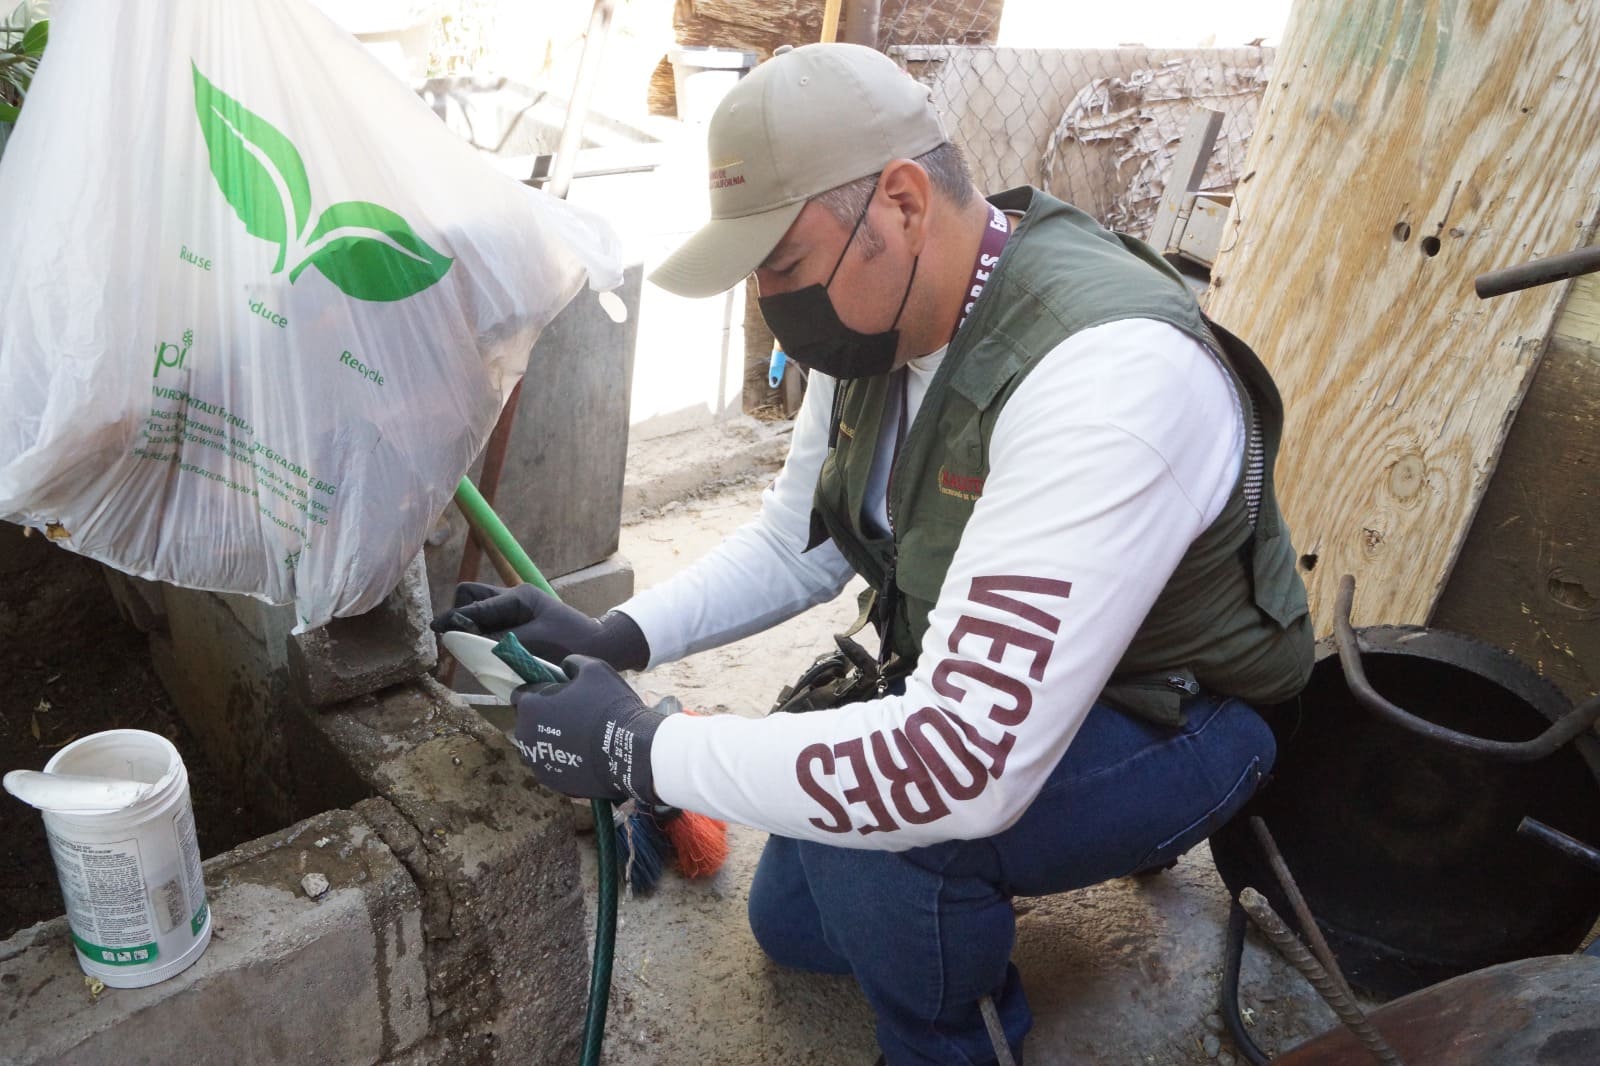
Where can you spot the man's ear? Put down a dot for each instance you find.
(905, 186)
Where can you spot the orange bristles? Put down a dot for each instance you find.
(699, 842)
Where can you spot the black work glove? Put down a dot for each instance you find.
(589, 737)
(546, 627)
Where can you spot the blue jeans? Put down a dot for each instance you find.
(928, 932)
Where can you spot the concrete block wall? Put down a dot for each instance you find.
(244, 684)
(452, 930)
(339, 979)
(560, 489)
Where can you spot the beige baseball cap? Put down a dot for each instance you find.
(805, 121)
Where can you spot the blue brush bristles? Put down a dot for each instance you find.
(643, 849)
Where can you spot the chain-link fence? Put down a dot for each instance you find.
(1098, 128)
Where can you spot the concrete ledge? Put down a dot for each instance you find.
(340, 979)
(596, 589)
(497, 865)
(664, 470)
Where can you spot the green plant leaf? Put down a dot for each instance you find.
(9, 113)
(256, 167)
(36, 38)
(371, 253)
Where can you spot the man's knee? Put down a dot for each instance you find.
(787, 933)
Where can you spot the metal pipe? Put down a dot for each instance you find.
(594, 46)
(1539, 272)
(862, 25)
(1297, 902)
(1570, 725)
(1267, 920)
(1571, 847)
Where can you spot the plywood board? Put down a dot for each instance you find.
(1405, 146)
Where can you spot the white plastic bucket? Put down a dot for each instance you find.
(702, 76)
(131, 878)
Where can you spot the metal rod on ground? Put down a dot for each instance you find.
(494, 459)
(475, 508)
(1267, 920)
(997, 1033)
(1297, 902)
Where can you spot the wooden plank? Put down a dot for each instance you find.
(1404, 147)
(1528, 578)
(1188, 167)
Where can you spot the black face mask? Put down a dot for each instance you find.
(810, 332)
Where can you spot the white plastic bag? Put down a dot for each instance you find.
(259, 309)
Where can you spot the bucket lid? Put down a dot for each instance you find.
(111, 771)
(75, 793)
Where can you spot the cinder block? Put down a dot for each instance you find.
(269, 623)
(285, 978)
(596, 589)
(351, 657)
(495, 858)
(140, 602)
(231, 689)
(560, 489)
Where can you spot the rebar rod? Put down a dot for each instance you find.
(1289, 945)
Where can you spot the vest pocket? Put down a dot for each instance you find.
(1279, 592)
(1152, 697)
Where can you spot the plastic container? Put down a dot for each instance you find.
(131, 877)
(702, 76)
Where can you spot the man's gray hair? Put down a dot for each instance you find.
(947, 172)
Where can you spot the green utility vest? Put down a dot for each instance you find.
(1231, 619)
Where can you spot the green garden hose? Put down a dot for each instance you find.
(513, 654)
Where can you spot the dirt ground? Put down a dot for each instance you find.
(1124, 973)
(70, 666)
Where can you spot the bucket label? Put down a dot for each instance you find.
(124, 956)
(194, 878)
(103, 886)
(171, 910)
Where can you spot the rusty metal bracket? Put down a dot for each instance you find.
(1574, 724)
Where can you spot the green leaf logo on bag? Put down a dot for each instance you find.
(368, 251)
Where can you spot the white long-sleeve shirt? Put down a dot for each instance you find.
(1109, 459)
